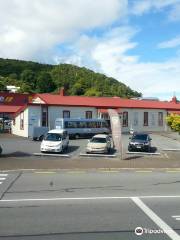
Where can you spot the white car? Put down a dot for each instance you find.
(55, 140)
(100, 143)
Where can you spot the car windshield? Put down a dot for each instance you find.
(98, 140)
(142, 137)
(53, 137)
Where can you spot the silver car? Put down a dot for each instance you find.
(100, 143)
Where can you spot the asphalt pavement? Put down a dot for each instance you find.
(90, 204)
(18, 153)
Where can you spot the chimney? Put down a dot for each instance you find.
(174, 99)
(62, 92)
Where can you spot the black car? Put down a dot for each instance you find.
(140, 141)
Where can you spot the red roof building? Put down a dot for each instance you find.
(105, 102)
(43, 109)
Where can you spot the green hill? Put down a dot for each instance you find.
(36, 77)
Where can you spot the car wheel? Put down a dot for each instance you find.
(76, 136)
(148, 149)
(35, 138)
(129, 149)
(41, 137)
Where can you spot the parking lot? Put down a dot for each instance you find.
(14, 146)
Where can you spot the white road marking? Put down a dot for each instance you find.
(176, 217)
(83, 198)
(3, 175)
(171, 149)
(144, 153)
(97, 155)
(51, 155)
(156, 219)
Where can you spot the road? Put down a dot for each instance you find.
(90, 204)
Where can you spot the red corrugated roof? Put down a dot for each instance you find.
(9, 109)
(106, 102)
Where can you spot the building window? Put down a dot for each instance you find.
(153, 122)
(44, 116)
(125, 119)
(105, 116)
(88, 114)
(160, 118)
(66, 114)
(145, 118)
(135, 119)
(22, 120)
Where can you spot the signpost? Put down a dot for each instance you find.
(116, 131)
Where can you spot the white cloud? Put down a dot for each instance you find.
(175, 13)
(143, 6)
(110, 55)
(36, 30)
(31, 28)
(175, 42)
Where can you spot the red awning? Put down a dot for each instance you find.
(9, 109)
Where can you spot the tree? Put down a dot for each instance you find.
(29, 77)
(173, 121)
(176, 123)
(77, 89)
(13, 76)
(93, 92)
(2, 86)
(45, 83)
(25, 88)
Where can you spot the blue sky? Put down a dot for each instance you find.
(136, 41)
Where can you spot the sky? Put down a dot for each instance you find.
(135, 41)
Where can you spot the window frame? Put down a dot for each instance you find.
(125, 119)
(160, 119)
(87, 113)
(65, 112)
(146, 119)
(46, 116)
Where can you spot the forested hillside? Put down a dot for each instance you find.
(36, 77)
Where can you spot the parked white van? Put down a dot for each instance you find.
(55, 140)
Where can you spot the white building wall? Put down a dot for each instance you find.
(16, 130)
(136, 120)
(75, 112)
(34, 118)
